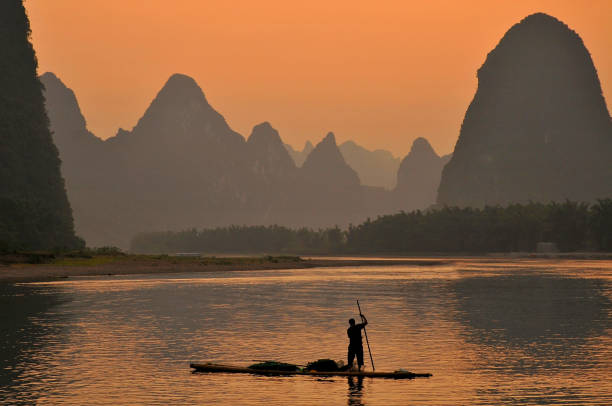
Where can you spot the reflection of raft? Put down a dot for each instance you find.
(211, 367)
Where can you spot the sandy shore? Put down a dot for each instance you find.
(161, 264)
(152, 265)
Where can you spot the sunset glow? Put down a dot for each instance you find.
(380, 73)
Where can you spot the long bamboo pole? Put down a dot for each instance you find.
(366, 336)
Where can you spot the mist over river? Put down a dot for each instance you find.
(490, 332)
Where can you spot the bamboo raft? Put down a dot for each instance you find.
(230, 369)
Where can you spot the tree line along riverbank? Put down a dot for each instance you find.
(568, 226)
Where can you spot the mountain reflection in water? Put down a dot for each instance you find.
(26, 326)
(536, 321)
(514, 332)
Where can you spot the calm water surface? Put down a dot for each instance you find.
(514, 332)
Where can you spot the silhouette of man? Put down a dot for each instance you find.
(355, 347)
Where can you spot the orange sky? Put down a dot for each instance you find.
(379, 72)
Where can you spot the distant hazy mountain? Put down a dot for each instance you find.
(375, 168)
(274, 177)
(418, 176)
(325, 165)
(34, 209)
(300, 156)
(69, 126)
(82, 153)
(86, 165)
(538, 128)
(332, 192)
(182, 166)
(268, 154)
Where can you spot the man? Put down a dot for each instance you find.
(355, 347)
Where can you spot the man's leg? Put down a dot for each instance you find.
(360, 357)
(351, 357)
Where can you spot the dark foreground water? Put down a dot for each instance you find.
(526, 332)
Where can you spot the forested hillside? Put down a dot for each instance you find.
(34, 210)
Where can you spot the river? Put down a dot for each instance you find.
(491, 332)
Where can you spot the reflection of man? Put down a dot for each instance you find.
(354, 391)
(355, 347)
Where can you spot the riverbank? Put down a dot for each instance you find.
(99, 265)
(46, 267)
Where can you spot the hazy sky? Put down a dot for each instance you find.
(379, 72)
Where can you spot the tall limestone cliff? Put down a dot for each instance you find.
(538, 127)
(418, 177)
(34, 208)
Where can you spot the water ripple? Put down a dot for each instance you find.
(529, 332)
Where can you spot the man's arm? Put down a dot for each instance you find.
(364, 321)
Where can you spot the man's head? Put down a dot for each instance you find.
(352, 322)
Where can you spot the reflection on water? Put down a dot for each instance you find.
(355, 387)
(26, 326)
(514, 333)
(538, 321)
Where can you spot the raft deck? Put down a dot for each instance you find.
(212, 367)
